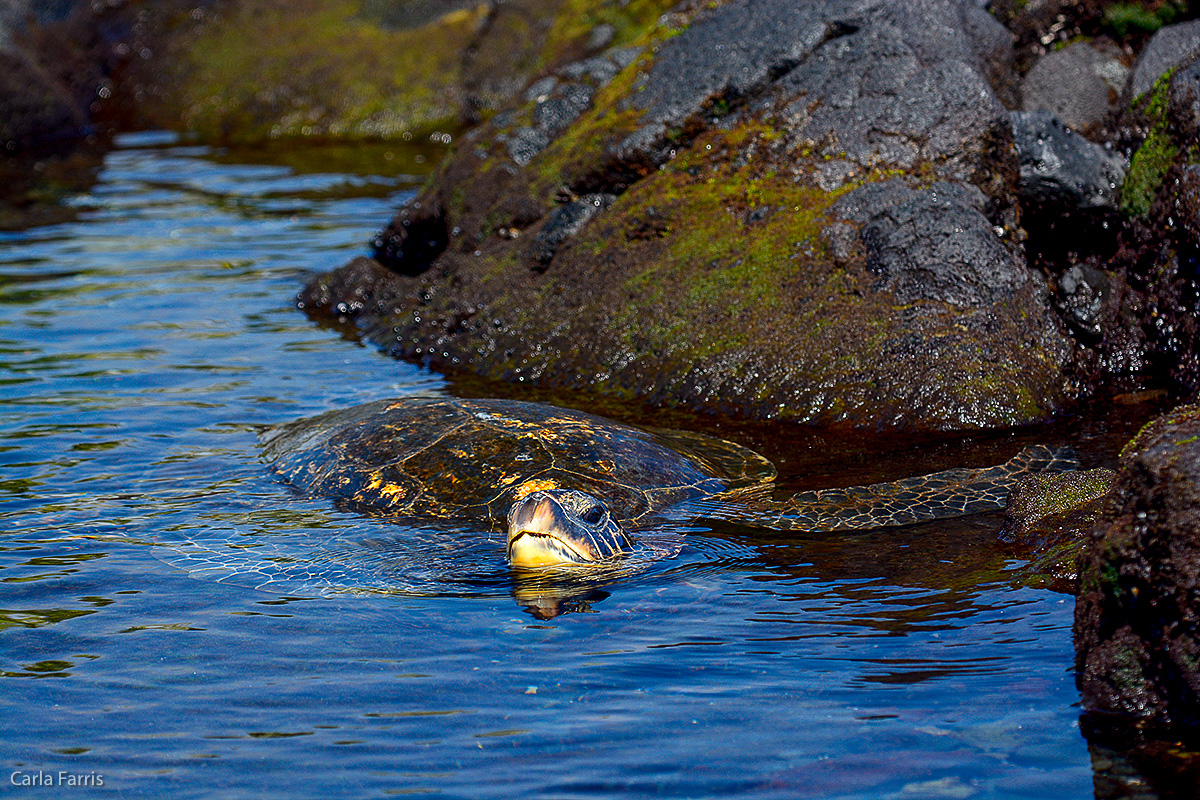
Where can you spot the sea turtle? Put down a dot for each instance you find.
(572, 488)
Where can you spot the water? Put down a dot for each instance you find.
(143, 347)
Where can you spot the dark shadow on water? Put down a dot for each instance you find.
(1137, 767)
(33, 187)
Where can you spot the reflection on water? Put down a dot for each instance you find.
(143, 347)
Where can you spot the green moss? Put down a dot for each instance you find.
(1156, 155)
(319, 68)
(631, 20)
(1186, 414)
(1146, 172)
(1123, 19)
(1063, 492)
(735, 238)
(580, 150)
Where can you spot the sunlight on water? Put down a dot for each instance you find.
(143, 347)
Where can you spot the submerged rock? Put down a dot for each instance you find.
(1137, 619)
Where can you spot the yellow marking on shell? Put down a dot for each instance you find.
(529, 487)
(390, 490)
(383, 487)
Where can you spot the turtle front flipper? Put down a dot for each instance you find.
(951, 493)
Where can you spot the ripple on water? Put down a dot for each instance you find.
(144, 344)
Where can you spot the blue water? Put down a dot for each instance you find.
(143, 346)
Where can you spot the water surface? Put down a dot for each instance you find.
(144, 345)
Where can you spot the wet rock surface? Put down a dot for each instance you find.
(1060, 168)
(810, 212)
(1137, 621)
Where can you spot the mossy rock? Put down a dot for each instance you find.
(1157, 153)
(694, 217)
(247, 71)
(1137, 620)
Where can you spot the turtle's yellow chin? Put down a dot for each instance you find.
(533, 549)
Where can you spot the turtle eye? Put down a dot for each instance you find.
(592, 514)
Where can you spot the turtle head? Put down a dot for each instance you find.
(561, 526)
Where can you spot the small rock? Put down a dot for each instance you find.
(1081, 293)
(538, 90)
(601, 36)
(524, 143)
(1171, 47)
(553, 115)
(1061, 168)
(1079, 84)
(600, 69)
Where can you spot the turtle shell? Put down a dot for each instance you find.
(472, 459)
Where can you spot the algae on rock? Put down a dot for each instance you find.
(803, 211)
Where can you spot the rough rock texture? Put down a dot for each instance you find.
(1061, 168)
(1079, 84)
(1170, 47)
(1137, 619)
(932, 243)
(803, 210)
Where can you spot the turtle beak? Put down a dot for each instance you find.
(542, 534)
